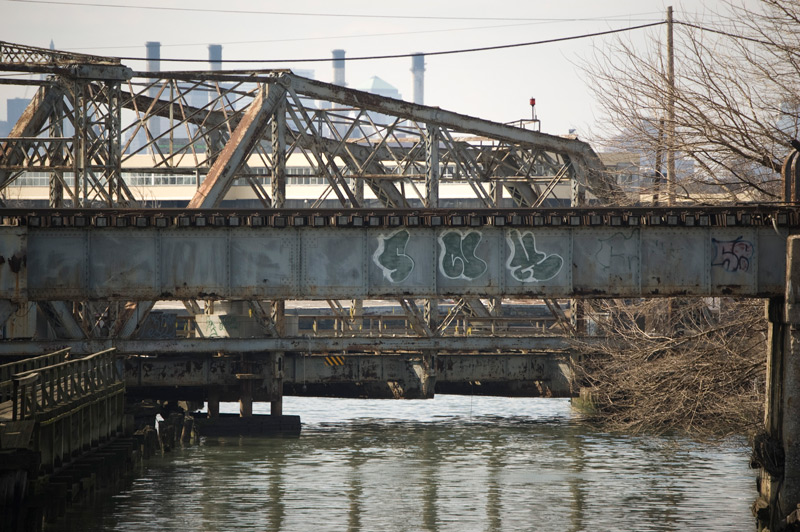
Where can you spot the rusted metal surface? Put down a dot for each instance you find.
(149, 264)
(247, 134)
(199, 374)
(18, 54)
(335, 142)
(578, 151)
(297, 344)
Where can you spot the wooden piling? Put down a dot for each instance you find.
(777, 451)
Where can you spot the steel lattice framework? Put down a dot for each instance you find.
(93, 118)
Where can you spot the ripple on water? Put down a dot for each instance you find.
(453, 463)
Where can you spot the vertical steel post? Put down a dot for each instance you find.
(114, 162)
(432, 165)
(278, 179)
(576, 315)
(56, 176)
(770, 477)
(278, 201)
(496, 306)
(431, 311)
(78, 142)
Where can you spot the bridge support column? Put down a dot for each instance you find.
(246, 382)
(276, 386)
(778, 450)
(246, 398)
(213, 403)
(789, 496)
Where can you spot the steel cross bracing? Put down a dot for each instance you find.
(94, 121)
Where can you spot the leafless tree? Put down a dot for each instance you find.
(736, 97)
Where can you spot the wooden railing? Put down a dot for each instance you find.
(44, 389)
(7, 371)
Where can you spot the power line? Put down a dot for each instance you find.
(725, 33)
(398, 56)
(296, 13)
(332, 37)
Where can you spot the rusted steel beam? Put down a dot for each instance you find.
(29, 125)
(12, 55)
(61, 318)
(143, 372)
(578, 151)
(249, 132)
(298, 344)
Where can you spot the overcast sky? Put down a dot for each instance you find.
(495, 85)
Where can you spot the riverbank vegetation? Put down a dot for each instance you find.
(696, 366)
(727, 118)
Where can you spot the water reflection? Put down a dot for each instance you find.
(454, 463)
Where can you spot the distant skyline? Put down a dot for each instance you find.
(494, 85)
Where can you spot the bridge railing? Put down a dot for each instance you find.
(47, 388)
(7, 371)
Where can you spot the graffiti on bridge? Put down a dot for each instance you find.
(391, 256)
(526, 263)
(613, 253)
(733, 255)
(458, 259)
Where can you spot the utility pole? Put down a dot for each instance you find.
(670, 111)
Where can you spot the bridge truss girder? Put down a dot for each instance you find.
(92, 118)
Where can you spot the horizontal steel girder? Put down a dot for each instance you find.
(194, 346)
(256, 263)
(143, 372)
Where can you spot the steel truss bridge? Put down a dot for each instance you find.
(97, 261)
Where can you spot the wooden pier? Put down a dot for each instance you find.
(59, 415)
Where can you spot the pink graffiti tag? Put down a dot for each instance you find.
(733, 255)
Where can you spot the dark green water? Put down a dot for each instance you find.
(453, 463)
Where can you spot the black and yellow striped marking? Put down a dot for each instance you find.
(334, 361)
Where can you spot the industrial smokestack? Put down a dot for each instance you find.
(418, 71)
(338, 67)
(154, 65)
(153, 56)
(215, 56)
